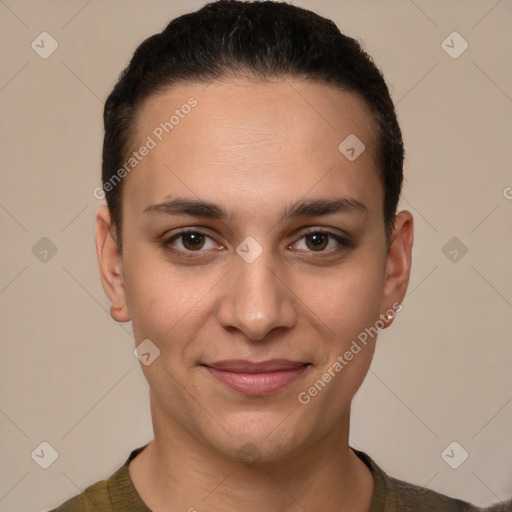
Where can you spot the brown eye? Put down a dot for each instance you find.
(192, 240)
(188, 242)
(323, 242)
(317, 241)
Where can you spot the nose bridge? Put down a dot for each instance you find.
(257, 301)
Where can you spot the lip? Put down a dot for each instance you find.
(256, 378)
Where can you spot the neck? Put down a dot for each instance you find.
(178, 472)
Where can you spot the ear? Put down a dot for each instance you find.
(111, 265)
(398, 266)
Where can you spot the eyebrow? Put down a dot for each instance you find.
(301, 208)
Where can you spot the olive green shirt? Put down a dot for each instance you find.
(118, 494)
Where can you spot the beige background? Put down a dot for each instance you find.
(442, 371)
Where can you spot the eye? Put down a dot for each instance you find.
(189, 241)
(319, 241)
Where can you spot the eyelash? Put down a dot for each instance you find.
(166, 243)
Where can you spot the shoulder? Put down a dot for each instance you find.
(407, 496)
(93, 498)
(391, 494)
(500, 507)
(114, 493)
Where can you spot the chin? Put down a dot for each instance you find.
(259, 452)
(259, 439)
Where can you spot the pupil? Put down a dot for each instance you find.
(318, 240)
(193, 240)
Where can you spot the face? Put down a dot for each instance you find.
(254, 257)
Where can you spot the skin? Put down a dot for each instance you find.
(253, 149)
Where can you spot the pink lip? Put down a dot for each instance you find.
(256, 378)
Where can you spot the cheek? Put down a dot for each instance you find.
(156, 297)
(167, 304)
(346, 301)
(349, 306)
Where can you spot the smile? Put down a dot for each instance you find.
(257, 378)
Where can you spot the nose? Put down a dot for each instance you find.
(257, 299)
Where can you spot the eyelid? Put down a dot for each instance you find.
(335, 232)
(343, 239)
(168, 239)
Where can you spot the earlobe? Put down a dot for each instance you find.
(398, 266)
(110, 265)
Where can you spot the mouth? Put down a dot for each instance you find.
(256, 378)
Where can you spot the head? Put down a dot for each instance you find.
(271, 138)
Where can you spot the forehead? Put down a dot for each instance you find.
(252, 142)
